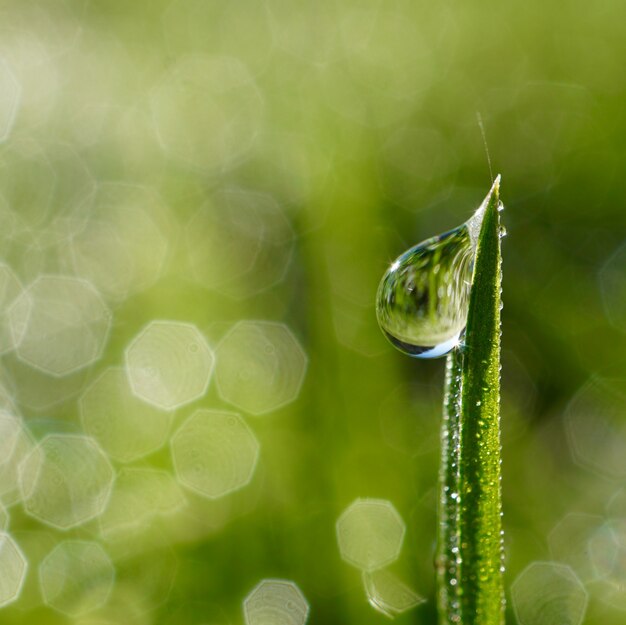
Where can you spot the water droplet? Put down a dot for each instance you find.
(423, 297)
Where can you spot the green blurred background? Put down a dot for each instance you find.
(353, 125)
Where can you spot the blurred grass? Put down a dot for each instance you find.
(367, 138)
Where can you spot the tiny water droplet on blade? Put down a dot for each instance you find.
(423, 297)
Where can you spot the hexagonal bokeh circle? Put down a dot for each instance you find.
(214, 453)
(13, 567)
(66, 480)
(595, 427)
(122, 247)
(126, 427)
(76, 577)
(260, 366)
(169, 364)
(569, 542)
(59, 324)
(548, 592)
(370, 533)
(220, 95)
(605, 552)
(240, 243)
(275, 601)
(388, 594)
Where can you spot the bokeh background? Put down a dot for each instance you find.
(242, 173)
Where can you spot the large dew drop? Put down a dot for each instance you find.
(423, 298)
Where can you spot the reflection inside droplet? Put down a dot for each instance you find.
(423, 297)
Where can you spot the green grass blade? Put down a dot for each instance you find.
(447, 560)
(479, 514)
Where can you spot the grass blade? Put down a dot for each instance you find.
(480, 581)
(447, 560)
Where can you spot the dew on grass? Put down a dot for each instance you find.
(169, 364)
(126, 427)
(423, 298)
(13, 566)
(370, 533)
(260, 366)
(215, 453)
(548, 593)
(76, 577)
(65, 480)
(276, 602)
(388, 594)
